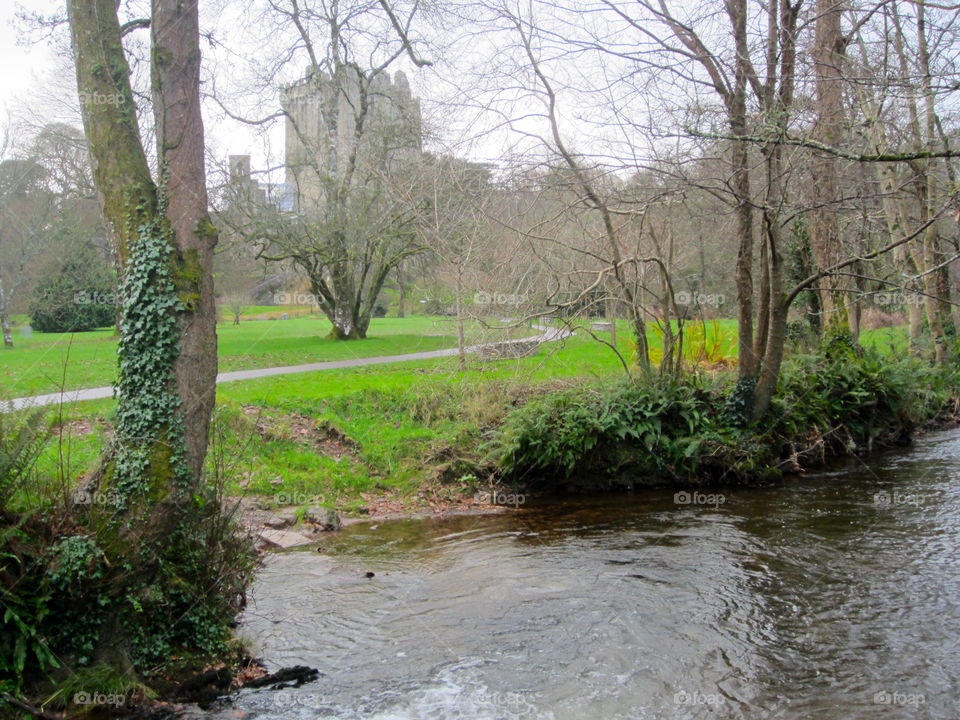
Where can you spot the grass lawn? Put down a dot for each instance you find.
(41, 363)
(336, 434)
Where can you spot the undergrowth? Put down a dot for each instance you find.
(628, 433)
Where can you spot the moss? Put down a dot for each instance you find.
(138, 207)
(188, 278)
(119, 70)
(163, 470)
(207, 229)
(162, 56)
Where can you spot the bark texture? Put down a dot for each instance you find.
(180, 141)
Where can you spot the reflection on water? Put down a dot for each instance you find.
(835, 596)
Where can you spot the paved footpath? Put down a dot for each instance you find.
(71, 396)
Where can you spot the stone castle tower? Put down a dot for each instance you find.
(321, 125)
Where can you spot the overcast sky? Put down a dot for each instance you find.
(23, 66)
(38, 82)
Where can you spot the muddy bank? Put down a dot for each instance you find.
(273, 528)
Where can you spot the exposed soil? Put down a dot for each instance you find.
(79, 427)
(303, 430)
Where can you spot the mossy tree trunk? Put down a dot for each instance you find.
(167, 350)
(735, 100)
(165, 223)
(175, 39)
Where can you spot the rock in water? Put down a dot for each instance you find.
(282, 520)
(284, 538)
(206, 687)
(324, 518)
(286, 677)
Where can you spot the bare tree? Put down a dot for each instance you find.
(353, 132)
(454, 226)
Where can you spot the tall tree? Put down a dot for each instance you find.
(352, 134)
(175, 35)
(26, 208)
(164, 237)
(153, 535)
(829, 50)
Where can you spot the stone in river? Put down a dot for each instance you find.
(284, 538)
(324, 518)
(282, 520)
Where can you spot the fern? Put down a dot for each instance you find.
(21, 443)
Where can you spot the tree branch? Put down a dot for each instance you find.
(821, 147)
(138, 24)
(404, 37)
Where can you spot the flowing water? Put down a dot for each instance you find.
(834, 596)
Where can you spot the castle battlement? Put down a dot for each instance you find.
(322, 119)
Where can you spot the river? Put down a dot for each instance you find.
(834, 596)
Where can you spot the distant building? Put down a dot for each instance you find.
(321, 126)
(315, 153)
(246, 190)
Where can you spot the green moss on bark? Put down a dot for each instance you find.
(187, 275)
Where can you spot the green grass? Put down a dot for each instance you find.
(401, 416)
(44, 362)
(891, 340)
(408, 423)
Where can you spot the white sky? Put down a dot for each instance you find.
(39, 83)
(24, 67)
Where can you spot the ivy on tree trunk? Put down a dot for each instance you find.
(164, 239)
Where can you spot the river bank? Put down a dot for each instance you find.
(588, 437)
(365, 539)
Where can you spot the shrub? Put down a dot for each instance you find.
(77, 297)
(70, 595)
(21, 442)
(614, 435)
(845, 401)
(856, 402)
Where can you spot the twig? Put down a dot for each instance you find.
(30, 709)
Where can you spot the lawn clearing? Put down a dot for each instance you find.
(41, 363)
